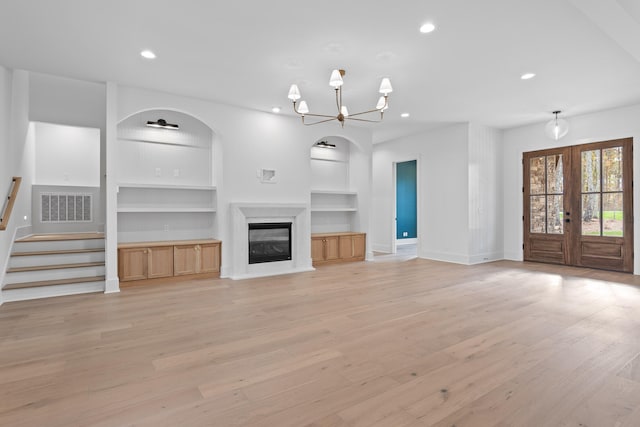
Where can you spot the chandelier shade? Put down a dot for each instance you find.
(556, 128)
(336, 82)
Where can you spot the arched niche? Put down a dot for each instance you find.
(166, 188)
(334, 192)
(165, 156)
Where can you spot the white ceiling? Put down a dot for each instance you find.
(586, 53)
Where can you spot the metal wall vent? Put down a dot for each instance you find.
(66, 207)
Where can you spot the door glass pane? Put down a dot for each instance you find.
(590, 214)
(612, 214)
(612, 169)
(554, 174)
(590, 171)
(555, 211)
(538, 214)
(536, 175)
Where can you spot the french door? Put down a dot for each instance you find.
(578, 205)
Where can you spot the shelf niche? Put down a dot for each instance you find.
(166, 189)
(334, 204)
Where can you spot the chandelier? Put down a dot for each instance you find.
(343, 114)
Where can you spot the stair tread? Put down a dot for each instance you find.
(62, 252)
(60, 237)
(55, 267)
(52, 282)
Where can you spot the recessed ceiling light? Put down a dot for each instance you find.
(148, 54)
(527, 76)
(427, 28)
(275, 110)
(405, 115)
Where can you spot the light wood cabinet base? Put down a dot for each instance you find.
(155, 262)
(330, 248)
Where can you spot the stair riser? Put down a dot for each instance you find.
(58, 245)
(37, 260)
(67, 273)
(52, 291)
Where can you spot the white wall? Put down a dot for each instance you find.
(67, 155)
(71, 102)
(245, 141)
(485, 194)
(443, 201)
(600, 126)
(17, 150)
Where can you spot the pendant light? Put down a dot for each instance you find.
(556, 128)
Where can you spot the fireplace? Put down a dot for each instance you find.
(269, 242)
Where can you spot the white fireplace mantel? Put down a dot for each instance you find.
(244, 213)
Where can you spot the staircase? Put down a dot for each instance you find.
(49, 265)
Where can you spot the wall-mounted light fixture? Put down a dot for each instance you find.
(162, 123)
(325, 144)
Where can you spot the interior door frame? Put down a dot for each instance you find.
(394, 222)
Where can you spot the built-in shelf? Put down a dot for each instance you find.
(333, 209)
(337, 192)
(164, 209)
(169, 186)
(329, 160)
(333, 201)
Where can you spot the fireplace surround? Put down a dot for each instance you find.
(243, 214)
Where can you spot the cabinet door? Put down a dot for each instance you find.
(359, 246)
(209, 258)
(317, 249)
(185, 259)
(346, 247)
(160, 262)
(331, 248)
(132, 264)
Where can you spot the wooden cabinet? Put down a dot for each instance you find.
(145, 263)
(337, 247)
(196, 259)
(154, 260)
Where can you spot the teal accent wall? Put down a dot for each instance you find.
(406, 200)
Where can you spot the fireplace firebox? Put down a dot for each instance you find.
(269, 242)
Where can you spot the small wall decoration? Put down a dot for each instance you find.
(267, 176)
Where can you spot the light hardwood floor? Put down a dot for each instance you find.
(396, 343)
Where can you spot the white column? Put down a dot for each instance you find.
(112, 283)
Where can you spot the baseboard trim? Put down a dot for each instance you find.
(486, 257)
(445, 257)
(52, 291)
(112, 286)
(378, 247)
(256, 275)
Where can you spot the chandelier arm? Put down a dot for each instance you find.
(339, 99)
(318, 115)
(321, 121)
(366, 112)
(362, 120)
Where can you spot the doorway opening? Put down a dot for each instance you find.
(406, 208)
